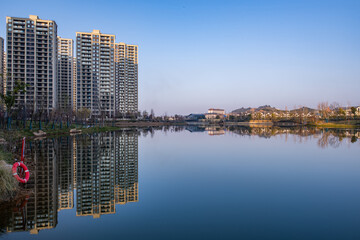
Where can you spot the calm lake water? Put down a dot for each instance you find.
(191, 183)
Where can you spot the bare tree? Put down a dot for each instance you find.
(324, 109)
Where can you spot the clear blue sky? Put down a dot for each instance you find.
(194, 55)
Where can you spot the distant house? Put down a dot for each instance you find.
(216, 111)
(348, 111)
(210, 116)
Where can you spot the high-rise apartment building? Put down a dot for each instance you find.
(65, 73)
(95, 75)
(2, 67)
(74, 83)
(126, 78)
(32, 59)
(4, 72)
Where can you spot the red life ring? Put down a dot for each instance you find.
(16, 175)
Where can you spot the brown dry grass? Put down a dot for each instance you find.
(8, 185)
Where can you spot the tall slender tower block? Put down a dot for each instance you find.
(32, 59)
(65, 73)
(2, 65)
(126, 84)
(95, 73)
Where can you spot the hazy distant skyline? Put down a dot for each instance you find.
(194, 55)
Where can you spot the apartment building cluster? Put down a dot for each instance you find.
(101, 77)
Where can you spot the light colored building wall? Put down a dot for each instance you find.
(4, 73)
(95, 72)
(214, 116)
(216, 111)
(65, 73)
(2, 65)
(74, 84)
(31, 58)
(126, 78)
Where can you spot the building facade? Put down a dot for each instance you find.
(31, 59)
(126, 78)
(216, 111)
(2, 66)
(95, 73)
(74, 83)
(65, 73)
(102, 77)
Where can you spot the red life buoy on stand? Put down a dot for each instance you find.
(25, 169)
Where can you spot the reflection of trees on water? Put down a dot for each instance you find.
(326, 137)
(323, 141)
(102, 167)
(145, 131)
(336, 138)
(268, 132)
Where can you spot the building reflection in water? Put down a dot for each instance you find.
(40, 210)
(213, 130)
(102, 168)
(65, 172)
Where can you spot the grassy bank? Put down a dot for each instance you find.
(9, 187)
(354, 124)
(6, 156)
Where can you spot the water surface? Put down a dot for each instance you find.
(191, 183)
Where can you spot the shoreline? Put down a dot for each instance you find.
(109, 126)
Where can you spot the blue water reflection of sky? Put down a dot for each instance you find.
(196, 186)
